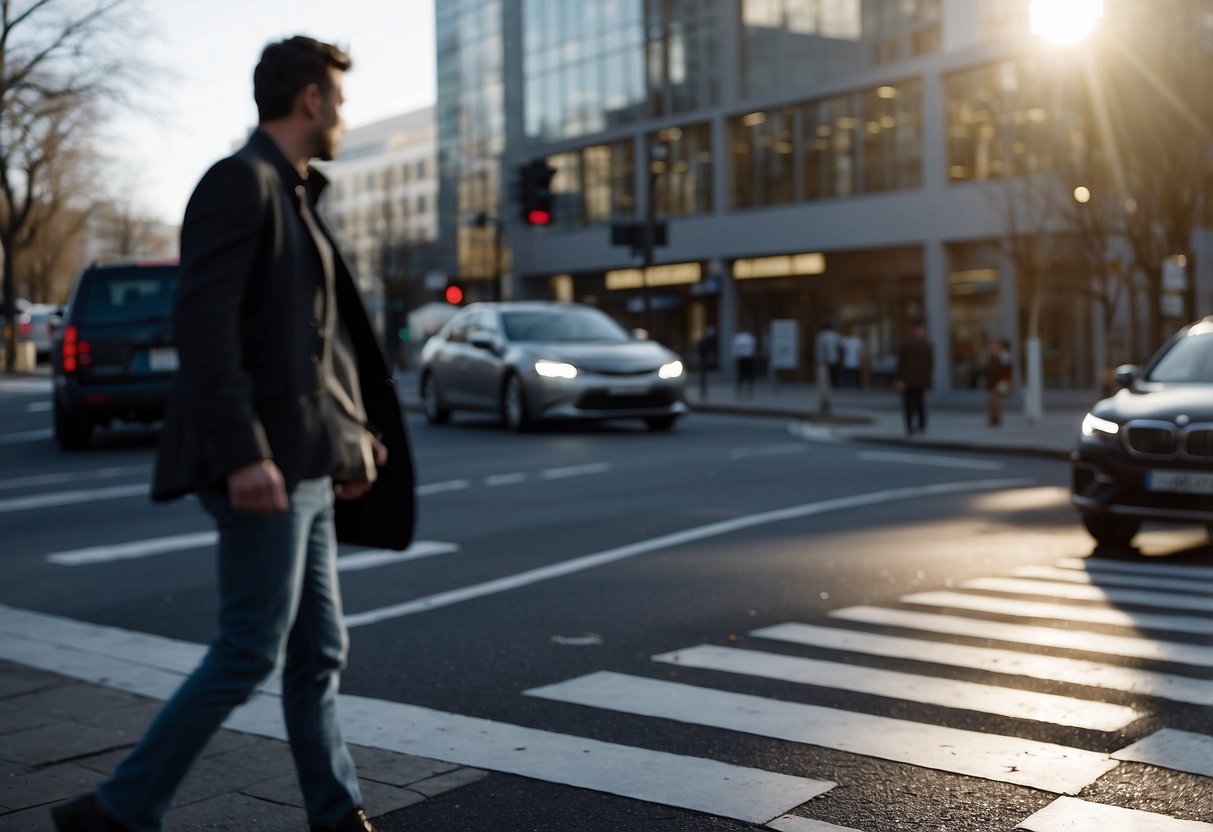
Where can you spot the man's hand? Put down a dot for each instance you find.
(257, 488)
(356, 490)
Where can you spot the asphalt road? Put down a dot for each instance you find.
(714, 595)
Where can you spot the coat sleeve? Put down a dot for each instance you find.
(220, 239)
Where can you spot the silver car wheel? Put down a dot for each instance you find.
(431, 401)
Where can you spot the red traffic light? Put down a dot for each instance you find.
(453, 295)
(538, 216)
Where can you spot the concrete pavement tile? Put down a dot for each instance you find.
(37, 819)
(235, 770)
(395, 769)
(284, 790)
(48, 785)
(74, 700)
(236, 812)
(378, 799)
(8, 769)
(446, 782)
(221, 743)
(59, 741)
(132, 719)
(16, 679)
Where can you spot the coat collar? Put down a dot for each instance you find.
(265, 147)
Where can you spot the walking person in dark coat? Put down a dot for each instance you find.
(285, 424)
(915, 368)
(998, 380)
(708, 349)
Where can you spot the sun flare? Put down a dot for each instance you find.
(1064, 21)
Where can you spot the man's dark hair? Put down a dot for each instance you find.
(287, 67)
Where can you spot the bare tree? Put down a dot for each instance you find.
(56, 57)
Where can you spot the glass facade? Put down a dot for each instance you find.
(683, 186)
(789, 43)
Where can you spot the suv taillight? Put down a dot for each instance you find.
(75, 351)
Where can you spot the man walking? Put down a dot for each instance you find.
(826, 349)
(915, 366)
(283, 403)
(745, 348)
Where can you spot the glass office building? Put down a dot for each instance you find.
(812, 160)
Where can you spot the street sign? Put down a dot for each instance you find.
(785, 344)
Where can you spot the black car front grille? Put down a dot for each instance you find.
(1198, 444)
(1151, 439)
(601, 399)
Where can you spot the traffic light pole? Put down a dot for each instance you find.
(650, 221)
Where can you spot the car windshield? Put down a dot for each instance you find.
(1189, 361)
(139, 294)
(562, 325)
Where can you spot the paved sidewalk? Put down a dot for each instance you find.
(60, 737)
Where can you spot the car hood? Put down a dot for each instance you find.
(1159, 402)
(623, 357)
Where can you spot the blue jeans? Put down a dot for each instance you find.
(277, 589)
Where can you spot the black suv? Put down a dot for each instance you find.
(1146, 453)
(114, 356)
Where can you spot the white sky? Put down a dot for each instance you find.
(202, 99)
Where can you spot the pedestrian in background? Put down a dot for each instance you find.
(827, 356)
(998, 380)
(852, 360)
(281, 381)
(745, 348)
(708, 350)
(915, 369)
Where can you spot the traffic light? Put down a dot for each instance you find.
(536, 192)
(453, 294)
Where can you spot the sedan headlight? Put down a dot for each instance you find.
(671, 370)
(1093, 426)
(555, 369)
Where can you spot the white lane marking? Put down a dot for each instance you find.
(723, 527)
(137, 549)
(38, 407)
(768, 450)
(153, 666)
(795, 823)
(22, 385)
(1069, 814)
(58, 478)
(1052, 768)
(1139, 647)
(1173, 749)
(374, 558)
(1069, 592)
(1159, 568)
(910, 687)
(1071, 576)
(812, 432)
(67, 498)
(1072, 671)
(1062, 612)
(929, 459)
(504, 479)
(575, 471)
(443, 487)
(24, 436)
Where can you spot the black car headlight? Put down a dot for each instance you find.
(1094, 427)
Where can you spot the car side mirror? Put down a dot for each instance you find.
(1126, 374)
(482, 340)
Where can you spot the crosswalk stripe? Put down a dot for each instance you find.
(67, 498)
(24, 436)
(137, 549)
(929, 690)
(1084, 640)
(62, 477)
(1162, 568)
(1062, 612)
(1173, 749)
(575, 471)
(1073, 671)
(795, 823)
(1069, 592)
(1069, 814)
(143, 664)
(374, 558)
(1102, 579)
(1044, 766)
(442, 487)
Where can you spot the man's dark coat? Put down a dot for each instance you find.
(248, 322)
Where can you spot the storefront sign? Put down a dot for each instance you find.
(785, 265)
(673, 274)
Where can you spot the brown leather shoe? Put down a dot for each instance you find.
(355, 821)
(84, 815)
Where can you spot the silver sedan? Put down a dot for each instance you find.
(530, 361)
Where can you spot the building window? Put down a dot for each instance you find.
(762, 158)
(685, 186)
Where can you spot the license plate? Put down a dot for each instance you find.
(1180, 482)
(636, 389)
(162, 360)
